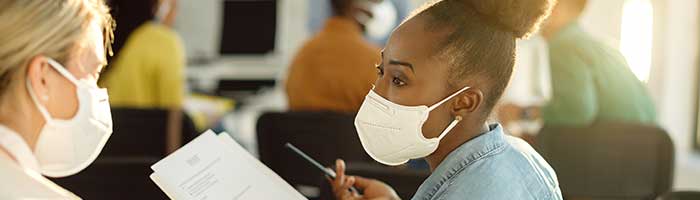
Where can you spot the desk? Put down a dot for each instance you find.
(229, 75)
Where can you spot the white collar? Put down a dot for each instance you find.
(13, 143)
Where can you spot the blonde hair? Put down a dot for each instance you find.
(52, 28)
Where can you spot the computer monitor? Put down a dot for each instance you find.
(249, 27)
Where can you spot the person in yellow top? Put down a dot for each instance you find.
(331, 71)
(147, 71)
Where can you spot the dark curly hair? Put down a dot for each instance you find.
(339, 7)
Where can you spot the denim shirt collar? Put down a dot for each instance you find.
(473, 150)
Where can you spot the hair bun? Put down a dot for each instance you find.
(522, 17)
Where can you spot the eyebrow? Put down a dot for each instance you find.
(405, 64)
(396, 62)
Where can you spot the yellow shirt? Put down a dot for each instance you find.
(148, 71)
(334, 70)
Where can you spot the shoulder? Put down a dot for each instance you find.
(516, 172)
(582, 47)
(28, 184)
(151, 32)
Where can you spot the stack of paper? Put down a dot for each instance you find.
(216, 167)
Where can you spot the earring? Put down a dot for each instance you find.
(458, 118)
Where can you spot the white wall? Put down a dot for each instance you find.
(199, 24)
(602, 19)
(673, 82)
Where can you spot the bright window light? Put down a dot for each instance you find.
(636, 36)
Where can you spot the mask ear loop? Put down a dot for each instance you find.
(431, 108)
(62, 70)
(42, 110)
(450, 127)
(457, 118)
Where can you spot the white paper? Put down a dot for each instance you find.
(216, 167)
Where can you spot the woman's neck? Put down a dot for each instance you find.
(457, 136)
(19, 115)
(4, 154)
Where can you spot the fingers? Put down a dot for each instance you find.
(339, 167)
(339, 172)
(362, 183)
(342, 183)
(348, 183)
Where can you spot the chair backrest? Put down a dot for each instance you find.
(121, 171)
(114, 179)
(609, 160)
(137, 132)
(142, 133)
(325, 136)
(681, 195)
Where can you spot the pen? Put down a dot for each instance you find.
(315, 163)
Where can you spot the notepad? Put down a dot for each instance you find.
(213, 167)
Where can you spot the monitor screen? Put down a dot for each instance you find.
(248, 27)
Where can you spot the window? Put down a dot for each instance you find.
(697, 113)
(636, 36)
(696, 139)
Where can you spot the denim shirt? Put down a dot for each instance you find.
(491, 166)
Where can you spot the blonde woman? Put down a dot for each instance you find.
(54, 120)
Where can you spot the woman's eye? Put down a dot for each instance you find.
(397, 82)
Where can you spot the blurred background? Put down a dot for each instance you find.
(236, 57)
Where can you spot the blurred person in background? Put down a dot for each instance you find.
(54, 120)
(386, 15)
(591, 81)
(330, 72)
(147, 71)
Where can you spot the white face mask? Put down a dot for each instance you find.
(65, 147)
(381, 23)
(392, 134)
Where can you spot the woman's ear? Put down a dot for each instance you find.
(468, 102)
(38, 70)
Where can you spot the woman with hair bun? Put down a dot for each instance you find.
(441, 73)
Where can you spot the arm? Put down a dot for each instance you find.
(171, 82)
(174, 130)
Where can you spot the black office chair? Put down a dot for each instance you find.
(325, 136)
(609, 160)
(122, 170)
(682, 195)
